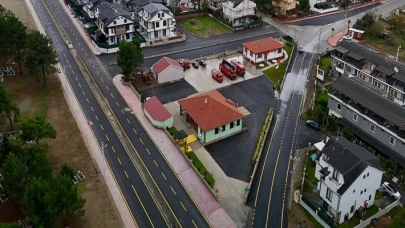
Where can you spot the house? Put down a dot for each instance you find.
(167, 70)
(263, 50)
(156, 21)
(284, 7)
(349, 177)
(238, 12)
(368, 98)
(356, 34)
(134, 6)
(157, 114)
(212, 116)
(215, 5)
(114, 22)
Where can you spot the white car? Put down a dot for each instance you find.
(391, 190)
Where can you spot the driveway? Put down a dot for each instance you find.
(308, 135)
(170, 92)
(234, 154)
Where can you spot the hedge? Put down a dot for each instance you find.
(190, 12)
(262, 135)
(201, 169)
(104, 45)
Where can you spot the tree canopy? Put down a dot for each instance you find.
(37, 128)
(40, 57)
(304, 5)
(8, 107)
(13, 181)
(129, 57)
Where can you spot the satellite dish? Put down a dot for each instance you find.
(396, 69)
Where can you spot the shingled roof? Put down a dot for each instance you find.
(108, 12)
(210, 110)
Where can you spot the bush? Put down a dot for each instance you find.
(201, 169)
(91, 30)
(262, 135)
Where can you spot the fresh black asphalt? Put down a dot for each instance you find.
(234, 154)
(324, 20)
(170, 92)
(120, 161)
(270, 205)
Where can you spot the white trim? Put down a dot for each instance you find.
(369, 119)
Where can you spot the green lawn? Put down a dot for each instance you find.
(276, 75)
(397, 215)
(200, 167)
(326, 64)
(204, 26)
(355, 221)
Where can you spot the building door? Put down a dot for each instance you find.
(118, 39)
(164, 32)
(156, 34)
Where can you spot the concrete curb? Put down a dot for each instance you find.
(88, 136)
(208, 45)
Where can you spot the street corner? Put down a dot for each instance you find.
(202, 80)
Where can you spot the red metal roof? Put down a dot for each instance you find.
(156, 110)
(164, 63)
(263, 45)
(210, 110)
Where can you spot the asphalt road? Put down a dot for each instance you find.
(141, 201)
(234, 154)
(324, 20)
(102, 128)
(269, 188)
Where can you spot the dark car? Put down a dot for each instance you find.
(202, 63)
(315, 125)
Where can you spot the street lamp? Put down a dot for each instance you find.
(103, 146)
(348, 26)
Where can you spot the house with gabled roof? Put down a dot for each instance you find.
(238, 12)
(349, 177)
(156, 22)
(262, 50)
(167, 70)
(212, 116)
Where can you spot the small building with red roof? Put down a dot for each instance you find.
(267, 49)
(157, 114)
(167, 70)
(212, 116)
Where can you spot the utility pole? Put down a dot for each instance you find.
(103, 146)
(399, 48)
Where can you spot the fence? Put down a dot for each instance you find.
(319, 214)
(191, 14)
(380, 213)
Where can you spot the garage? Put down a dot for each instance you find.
(167, 70)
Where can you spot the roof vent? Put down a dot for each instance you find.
(396, 69)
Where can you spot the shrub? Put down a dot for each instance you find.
(262, 135)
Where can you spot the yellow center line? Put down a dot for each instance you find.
(119, 161)
(97, 73)
(183, 206)
(96, 117)
(173, 190)
(126, 174)
(147, 151)
(113, 149)
(194, 223)
(70, 66)
(128, 121)
(76, 78)
(92, 109)
(80, 44)
(87, 99)
(107, 87)
(155, 163)
(89, 60)
(122, 111)
(85, 53)
(117, 104)
(134, 130)
(83, 92)
(101, 127)
(80, 85)
(141, 140)
(139, 199)
(108, 139)
(73, 72)
(102, 79)
(164, 176)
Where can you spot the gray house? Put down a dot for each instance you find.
(134, 6)
(372, 117)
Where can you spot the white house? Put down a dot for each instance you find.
(238, 12)
(167, 70)
(114, 22)
(156, 21)
(263, 50)
(349, 177)
(90, 7)
(134, 6)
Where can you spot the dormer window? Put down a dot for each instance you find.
(115, 22)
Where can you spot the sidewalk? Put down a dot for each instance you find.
(80, 28)
(335, 38)
(201, 195)
(89, 137)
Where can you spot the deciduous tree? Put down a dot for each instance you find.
(129, 57)
(304, 5)
(14, 177)
(37, 128)
(8, 107)
(40, 57)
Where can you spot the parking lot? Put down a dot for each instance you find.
(201, 78)
(169, 92)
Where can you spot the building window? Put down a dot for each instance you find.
(237, 122)
(127, 27)
(231, 125)
(112, 39)
(127, 36)
(352, 209)
(365, 190)
(164, 32)
(369, 197)
(115, 22)
(201, 131)
(259, 56)
(164, 23)
(216, 131)
(125, 20)
(368, 174)
(372, 128)
(361, 192)
(354, 190)
(156, 34)
(355, 117)
(157, 24)
(335, 174)
(364, 176)
(392, 140)
(329, 194)
(339, 106)
(223, 128)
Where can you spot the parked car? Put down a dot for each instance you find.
(300, 49)
(391, 190)
(202, 63)
(315, 125)
(195, 65)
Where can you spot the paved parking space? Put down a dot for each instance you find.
(201, 78)
(234, 154)
(170, 92)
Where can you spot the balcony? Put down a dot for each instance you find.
(332, 183)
